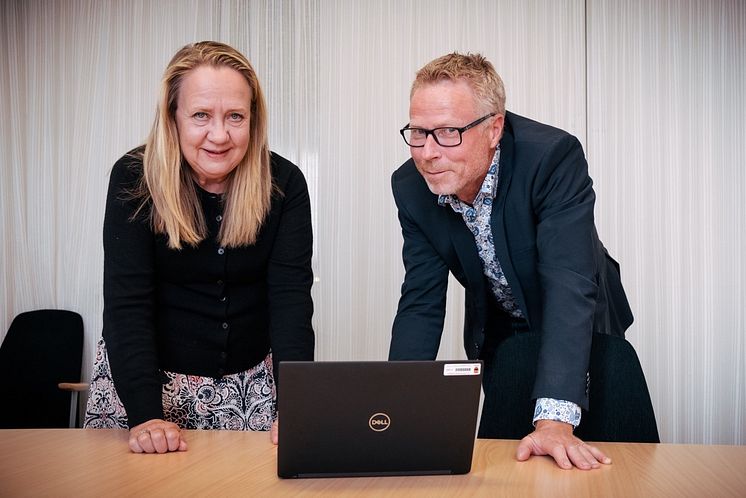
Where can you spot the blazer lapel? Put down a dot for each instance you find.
(466, 250)
(505, 175)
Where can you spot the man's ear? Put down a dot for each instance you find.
(498, 122)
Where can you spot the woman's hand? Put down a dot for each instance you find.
(274, 432)
(156, 436)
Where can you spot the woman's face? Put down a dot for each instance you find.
(212, 117)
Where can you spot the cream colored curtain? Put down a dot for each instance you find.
(653, 89)
(667, 148)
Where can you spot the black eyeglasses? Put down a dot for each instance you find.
(446, 136)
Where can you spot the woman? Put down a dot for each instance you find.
(207, 263)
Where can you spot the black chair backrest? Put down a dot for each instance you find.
(620, 408)
(42, 348)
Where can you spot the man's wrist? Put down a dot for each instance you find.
(558, 410)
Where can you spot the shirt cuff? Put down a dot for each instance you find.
(557, 409)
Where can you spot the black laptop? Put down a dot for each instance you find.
(377, 418)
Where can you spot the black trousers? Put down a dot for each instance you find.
(508, 378)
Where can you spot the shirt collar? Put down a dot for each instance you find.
(488, 188)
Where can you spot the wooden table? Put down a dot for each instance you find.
(77, 462)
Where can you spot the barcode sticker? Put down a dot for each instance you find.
(462, 369)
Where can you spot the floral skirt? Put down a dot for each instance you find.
(244, 401)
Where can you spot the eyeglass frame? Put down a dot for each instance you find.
(435, 137)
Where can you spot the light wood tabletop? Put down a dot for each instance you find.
(80, 463)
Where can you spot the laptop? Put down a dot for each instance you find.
(377, 418)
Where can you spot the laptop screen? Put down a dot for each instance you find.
(377, 418)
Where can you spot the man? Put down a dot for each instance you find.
(506, 205)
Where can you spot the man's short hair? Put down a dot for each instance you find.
(477, 71)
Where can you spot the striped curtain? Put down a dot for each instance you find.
(652, 88)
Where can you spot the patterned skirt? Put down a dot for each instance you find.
(244, 401)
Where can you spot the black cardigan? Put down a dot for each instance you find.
(203, 310)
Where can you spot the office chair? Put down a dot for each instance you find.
(42, 349)
(620, 408)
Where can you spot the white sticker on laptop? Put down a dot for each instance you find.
(462, 369)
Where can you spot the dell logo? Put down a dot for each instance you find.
(379, 422)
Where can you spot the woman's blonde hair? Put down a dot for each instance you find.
(167, 182)
(475, 69)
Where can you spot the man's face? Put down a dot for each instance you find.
(456, 170)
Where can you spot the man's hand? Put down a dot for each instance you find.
(556, 440)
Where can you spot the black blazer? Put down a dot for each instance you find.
(563, 279)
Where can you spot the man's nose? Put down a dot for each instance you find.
(431, 149)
